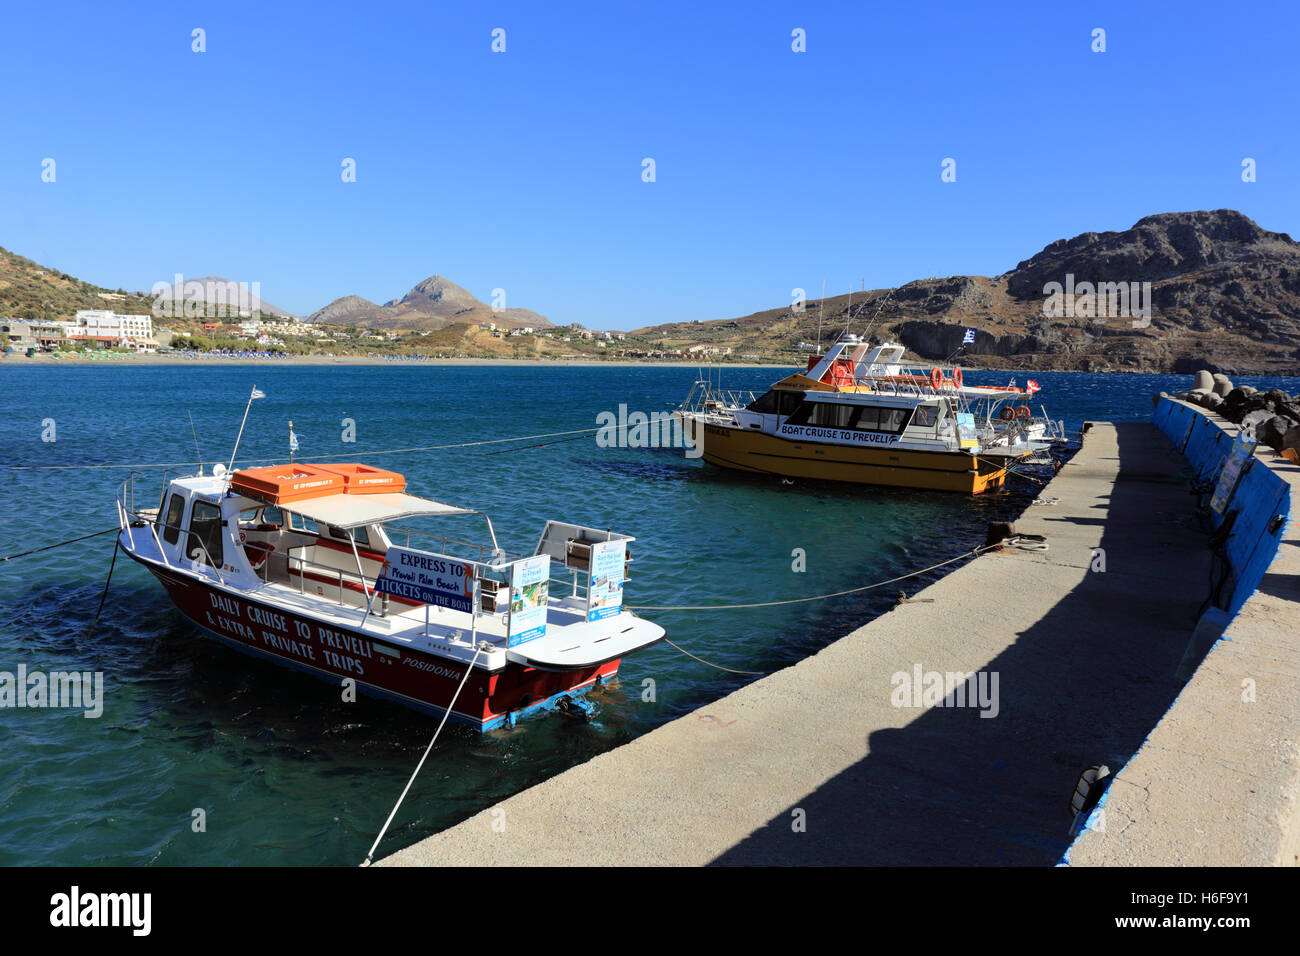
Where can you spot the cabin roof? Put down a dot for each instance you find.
(354, 511)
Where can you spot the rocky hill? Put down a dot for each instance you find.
(1224, 294)
(435, 303)
(29, 290)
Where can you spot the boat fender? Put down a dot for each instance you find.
(936, 378)
(1022, 411)
(1007, 413)
(1092, 783)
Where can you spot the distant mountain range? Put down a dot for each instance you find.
(218, 291)
(1224, 294)
(1173, 293)
(432, 304)
(30, 290)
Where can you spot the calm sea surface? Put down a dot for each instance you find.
(285, 771)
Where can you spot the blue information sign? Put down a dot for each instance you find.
(428, 578)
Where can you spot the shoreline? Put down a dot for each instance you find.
(47, 360)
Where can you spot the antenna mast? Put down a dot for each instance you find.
(196, 442)
(821, 311)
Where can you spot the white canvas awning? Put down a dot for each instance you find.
(353, 511)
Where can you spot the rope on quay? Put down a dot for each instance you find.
(49, 547)
(974, 552)
(442, 723)
(579, 432)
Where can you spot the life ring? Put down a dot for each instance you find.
(936, 378)
(1022, 411)
(1007, 413)
(956, 376)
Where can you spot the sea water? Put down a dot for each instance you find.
(204, 756)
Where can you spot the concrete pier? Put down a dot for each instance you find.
(1076, 649)
(1217, 782)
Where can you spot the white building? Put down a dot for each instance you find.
(106, 328)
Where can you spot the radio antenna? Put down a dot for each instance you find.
(196, 442)
(879, 309)
(821, 311)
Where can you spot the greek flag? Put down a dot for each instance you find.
(969, 338)
(257, 393)
(293, 441)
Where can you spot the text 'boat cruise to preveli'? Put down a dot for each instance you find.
(300, 564)
(857, 414)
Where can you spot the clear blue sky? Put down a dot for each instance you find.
(522, 170)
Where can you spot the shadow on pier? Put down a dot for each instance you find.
(1084, 684)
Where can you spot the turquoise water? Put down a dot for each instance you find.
(285, 771)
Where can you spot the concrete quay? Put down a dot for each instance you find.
(815, 764)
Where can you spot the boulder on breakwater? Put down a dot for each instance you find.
(1274, 414)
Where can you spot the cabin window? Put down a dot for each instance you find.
(172, 519)
(358, 534)
(298, 523)
(273, 516)
(822, 415)
(775, 402)
(877, 418)
(925, 416)
(892, 419)
(205, 528)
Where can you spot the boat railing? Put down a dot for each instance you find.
(484, 550)
(705, 398)
(279, 567)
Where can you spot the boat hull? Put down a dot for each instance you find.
(888, 465)
(333, 652)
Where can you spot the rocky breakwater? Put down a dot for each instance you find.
(1274, 415)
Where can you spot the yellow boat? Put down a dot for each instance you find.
(859, 415)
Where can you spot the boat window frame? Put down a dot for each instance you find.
(172, 526)
(359, 534)
(855, 418)
(295, 519)
(207, 554)
(937, 408)
(783, 402)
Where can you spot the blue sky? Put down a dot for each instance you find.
(523, 170)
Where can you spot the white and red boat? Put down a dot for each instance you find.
(302, 564)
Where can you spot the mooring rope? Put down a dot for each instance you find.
(361, 454)
(434, 740)
(48, 547)
(816, 597)
(729, 670)
(100, 610)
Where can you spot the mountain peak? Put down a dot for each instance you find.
(438, 295)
